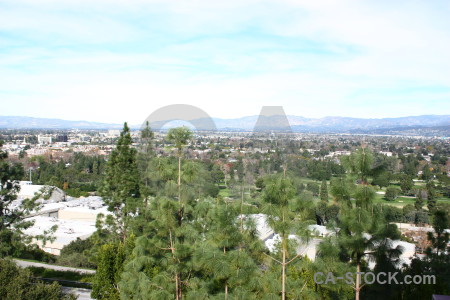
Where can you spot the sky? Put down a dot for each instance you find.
(120, 60)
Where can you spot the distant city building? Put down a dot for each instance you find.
(387, 153)
(43, 139)
(62, 138)
(113, 132)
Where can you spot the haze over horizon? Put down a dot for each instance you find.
(232, 118)
(110, 61)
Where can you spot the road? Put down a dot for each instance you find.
(25, 264)
(82, 294)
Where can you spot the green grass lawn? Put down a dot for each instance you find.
(402, 201)
(224, 192)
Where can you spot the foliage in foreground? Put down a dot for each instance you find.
(17, 283)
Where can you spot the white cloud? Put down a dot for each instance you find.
(229, 57)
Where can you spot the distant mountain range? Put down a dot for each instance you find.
(424, 123)
(341, 124)
(9, 122)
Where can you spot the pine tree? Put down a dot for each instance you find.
(277, 196)
(12, 218)
(341, 189)
(440, 238)
(221, 257)
(431, 196)
(364, 196)
(406, 183)
(160, 266)
(418, 204)
(120, 188)
(363, 234)
(324, 191)
(180, 137)
(359, 163)
(327, 260)
(144, 162)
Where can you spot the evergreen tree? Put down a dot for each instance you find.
(144, 162)
(180, 137)
(278, 195)
(120, 189)
(431, 196)
(12, 218)
(110, 265)
(418, 204)
(440, 238)
(436, 262)
(324, 191)
(363, 234)
(364, 195)
(359, 163)
(341, 189)
(328, 260)
(381, 179)
(406, 183)
(225, 258)
(160, 267)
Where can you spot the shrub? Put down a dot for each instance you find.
(17, 283)
(391, 193)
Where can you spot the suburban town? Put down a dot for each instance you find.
(63, 171)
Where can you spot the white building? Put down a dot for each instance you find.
(387, 153)
(113, 133)
(50, 193)
(44, 139)
(74, 219)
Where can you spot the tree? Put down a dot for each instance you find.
(426, 173)
(17, 283)
(12, 218)
(407, 209)
(76, 254)
(406, 183)
(277, 195)
(111, 258)
(217, 174)
(313, 187)
(364, 234)
(381, 179)
(161, 267)
(441, 238)
(341, 189)
(431, 196)
(144, 156)
(120, 189)
(225, 255)
(391, 193)
(436, 262)
(364, 195)
(180, 137)
(328, 260)
(418, 204)
(324, 191)
(259, 183)
(359, 163)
